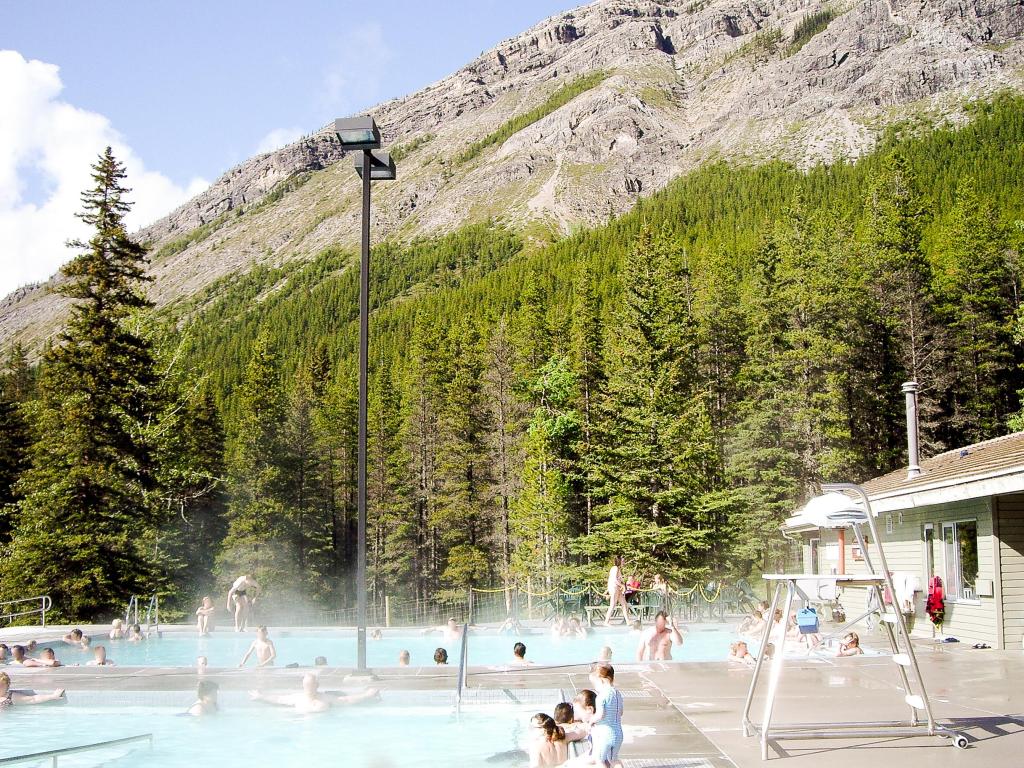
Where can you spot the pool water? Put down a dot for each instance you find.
(388, 733)
(225, 648)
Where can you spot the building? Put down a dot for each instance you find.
(960, 517)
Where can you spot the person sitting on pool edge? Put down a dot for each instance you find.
(738, 651)
(519, 654)
(263, 647)
(548, 747)
(850, 645)
(440, 656)
(206, 699)
(9, 698)
(311, 699)
(205, 617)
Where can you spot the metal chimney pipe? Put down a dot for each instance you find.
(913, 452)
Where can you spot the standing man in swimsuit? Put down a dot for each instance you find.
(656, 643)
(241, 597)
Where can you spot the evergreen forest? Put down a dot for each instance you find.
(667, 386)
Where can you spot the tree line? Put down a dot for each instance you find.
(666, 386)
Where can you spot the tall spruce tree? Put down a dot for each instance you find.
(87, 498)
(657, 457)
(257, 541)
(974, 290)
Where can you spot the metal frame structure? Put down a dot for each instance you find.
(44, 605)
(896, 630)
(463, 676)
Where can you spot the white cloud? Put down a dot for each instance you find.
(49, 140)
(277, 138)
(353, 79)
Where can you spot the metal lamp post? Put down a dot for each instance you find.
(361, 133)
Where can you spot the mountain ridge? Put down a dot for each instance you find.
(685, 82)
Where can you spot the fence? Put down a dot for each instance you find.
(481, 605)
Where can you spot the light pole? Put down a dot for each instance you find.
(361, 133)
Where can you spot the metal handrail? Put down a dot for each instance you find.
(45, 603)
(56, 753)
(463, 667)
(133, 603)
(153, 614)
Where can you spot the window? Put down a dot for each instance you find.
(814, 563)
(929, 550)
(960, 555)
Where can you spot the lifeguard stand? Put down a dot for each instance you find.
(835, 509)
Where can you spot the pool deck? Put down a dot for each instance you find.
(689, 714)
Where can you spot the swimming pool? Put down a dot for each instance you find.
(404, 729)
(224, 648)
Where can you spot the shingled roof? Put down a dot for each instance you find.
(993, 457)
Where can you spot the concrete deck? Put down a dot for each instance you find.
(689, 714)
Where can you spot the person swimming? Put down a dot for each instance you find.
(9, 698)
(206, 699)
(403, 658)
(311, 699)
(440, 656)
(116, 630)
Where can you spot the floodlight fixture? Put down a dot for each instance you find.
(382, 167)
(357, 132)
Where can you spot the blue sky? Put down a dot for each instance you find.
(185, 90)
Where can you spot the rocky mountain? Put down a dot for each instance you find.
(576, 118)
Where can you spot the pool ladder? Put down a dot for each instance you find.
(152, 613)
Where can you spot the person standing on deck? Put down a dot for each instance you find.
(241, 597)
(616, 592)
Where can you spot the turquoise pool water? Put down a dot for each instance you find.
(224, 648)
(389, 733)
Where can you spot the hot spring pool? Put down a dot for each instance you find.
(404, 729)
(225, 648)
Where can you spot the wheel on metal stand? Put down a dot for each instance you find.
(960, 741)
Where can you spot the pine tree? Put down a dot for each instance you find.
(257, 541)
(87, 498)
(585, 354)
(459, 511)
(391, 526)
(903, 329)
(656, 458)
(974, 289)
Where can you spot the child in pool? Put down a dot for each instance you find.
(135, 634)
(263, 647)
(850, 645)
(116, 629)
(738, 651)
(548, 746)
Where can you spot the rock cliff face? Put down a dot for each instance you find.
(687, 80)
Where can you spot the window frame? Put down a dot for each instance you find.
(951, 595)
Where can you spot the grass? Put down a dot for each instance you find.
(809, 26)
(510, 127)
